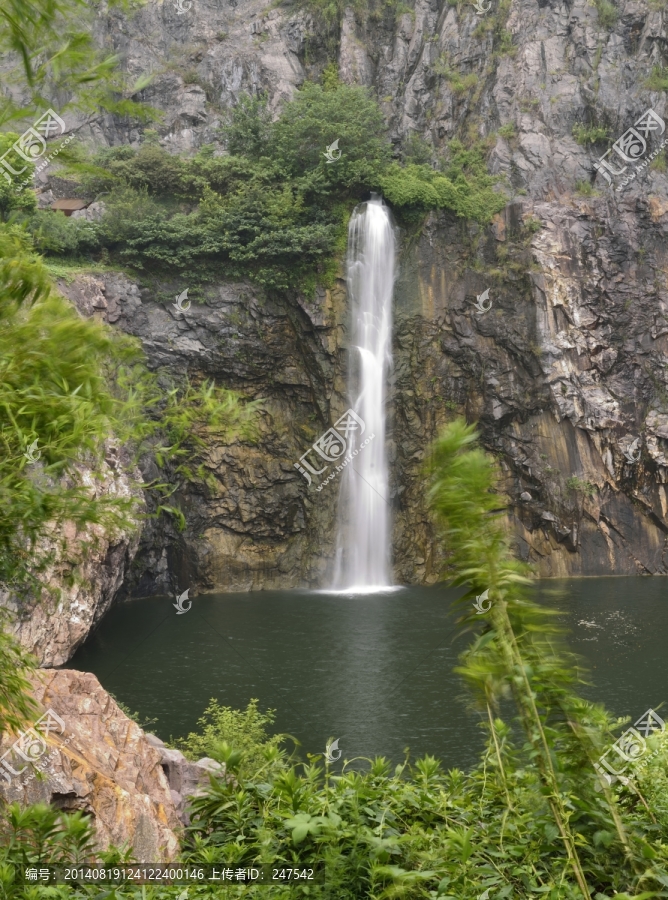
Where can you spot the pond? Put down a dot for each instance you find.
(374, 671)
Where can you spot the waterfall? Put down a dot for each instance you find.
(363, 545)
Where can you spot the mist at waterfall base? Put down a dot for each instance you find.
(363, 538)
(375, 671)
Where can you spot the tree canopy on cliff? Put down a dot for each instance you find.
(275, 209)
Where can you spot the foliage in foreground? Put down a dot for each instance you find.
(223, 731)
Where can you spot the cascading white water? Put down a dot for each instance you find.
(363, 548)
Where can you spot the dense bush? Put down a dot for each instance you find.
(463, 186)
(314, 120)
(224, 731)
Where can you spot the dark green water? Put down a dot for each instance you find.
(373, 671)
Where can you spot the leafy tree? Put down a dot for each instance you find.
(14, 197)
(519, 653)
(315, 119)
(248, 132)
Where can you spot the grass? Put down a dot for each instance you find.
(68, 270)
(607, 13)
(459, 83)
(579, 486)
(590, 134)
(658, 80)
(507, 131)
(585, 189)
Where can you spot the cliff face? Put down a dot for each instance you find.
(565, 372)
(259, 526)
(84, 569)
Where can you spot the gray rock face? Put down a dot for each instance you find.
(186, 779)
(566, 373)
(561, 373)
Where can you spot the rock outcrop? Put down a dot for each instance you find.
(91, 757)
(258, 528)
(186, 779)
(83, 571)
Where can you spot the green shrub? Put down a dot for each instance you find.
(585, 189)
(658, 80)
(245, 732)
(579, 486)
(13, 197)
(56, 233)
(275, 210)
(248, 131)
(464, 186)
(330, 77)
(417, 150)
(589, 134)
(459, 83)
(127, 209)
(607, 13)
(506, 47)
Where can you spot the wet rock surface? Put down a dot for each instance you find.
(260, 526)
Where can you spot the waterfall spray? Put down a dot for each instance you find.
(363, 546)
